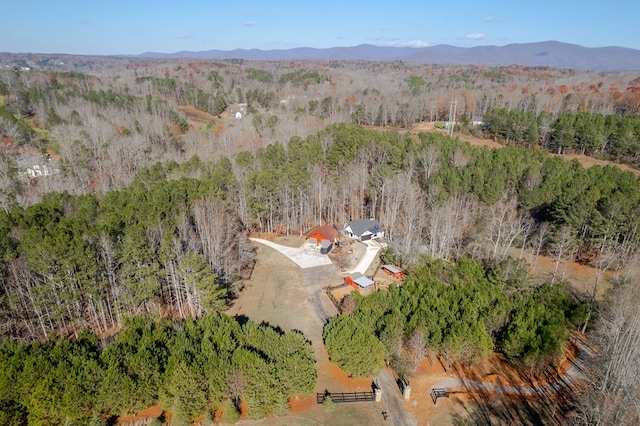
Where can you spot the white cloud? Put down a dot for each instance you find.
(185, 36)
(492, 19)
(249, 24)
(418, 43)
(411, 43)
(474, 36)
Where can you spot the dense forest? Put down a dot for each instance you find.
(460, 311)
(605, 136)
(152, 175)
(75, 261)
(215, 367)
(100, 120)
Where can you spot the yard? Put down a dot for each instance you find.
(284, 295)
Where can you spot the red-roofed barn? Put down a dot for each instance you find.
(324, 232)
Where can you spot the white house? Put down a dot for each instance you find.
(37, 170)
(477, 120)
(363, 229)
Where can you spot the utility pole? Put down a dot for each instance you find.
(452, 116)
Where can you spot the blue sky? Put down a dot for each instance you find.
(137, 26)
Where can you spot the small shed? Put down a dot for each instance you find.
(477, 120)
(394, 271)
(325, 246)
(358, 280)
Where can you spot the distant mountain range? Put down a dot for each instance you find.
(547, 53)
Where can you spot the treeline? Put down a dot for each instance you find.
(216, 367)
(167, 244)
(76, 261)
(613, 137)
(437, 194)
(460, 311)
(101, 129)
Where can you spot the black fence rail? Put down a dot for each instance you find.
(438, 393)
(340, 397)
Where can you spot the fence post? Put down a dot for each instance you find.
(378, 394)
(406, 391)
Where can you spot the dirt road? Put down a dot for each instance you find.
(392, 398)
(315, 280)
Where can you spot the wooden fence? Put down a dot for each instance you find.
(438, 393)
(340, 397)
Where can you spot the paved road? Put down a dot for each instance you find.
(373, 247)
(315, 280)
(392, 397)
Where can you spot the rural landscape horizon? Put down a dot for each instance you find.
(428, 218)
(548, 53)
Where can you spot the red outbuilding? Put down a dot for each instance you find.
(324, 232)
(394, 271)
(357, 281)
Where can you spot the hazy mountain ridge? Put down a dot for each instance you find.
(548, 53)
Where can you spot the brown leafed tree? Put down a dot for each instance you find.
(505, 225)
(613, 396)
(222, 237)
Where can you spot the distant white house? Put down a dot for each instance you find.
(33, 166)
(477, 120)
(37, 170)
(237, 111)
(363, 229)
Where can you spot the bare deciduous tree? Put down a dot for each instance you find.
(416, 345)
(505, 224)
(614, 374)
(222, 238)
(448, 224)
(429, 159)
(563, 242)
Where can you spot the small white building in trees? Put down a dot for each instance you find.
(477, 120)
(363, 229)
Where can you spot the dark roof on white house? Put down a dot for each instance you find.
(360, 226)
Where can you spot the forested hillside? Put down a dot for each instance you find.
(129, 191)
(214, 368)
(602, 136)
(99, 120)
(87, 260)
(460, 311)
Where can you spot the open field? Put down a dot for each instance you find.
(585, 160)
(283, 295)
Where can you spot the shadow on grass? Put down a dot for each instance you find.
(518, 400)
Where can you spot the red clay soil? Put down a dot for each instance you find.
(340, 377)
(332, 378)
(496, 370)
(499, 371)
(152, 412)
(302, 403)
(195, 116)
